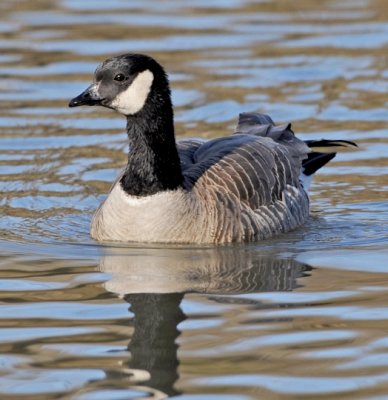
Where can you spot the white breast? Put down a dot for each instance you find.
(156, 218)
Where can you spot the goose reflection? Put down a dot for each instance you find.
(154, 280)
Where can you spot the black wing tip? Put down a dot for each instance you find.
(330, 143)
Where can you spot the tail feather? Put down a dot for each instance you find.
(322, 153)
(326, 146)
(315, 161)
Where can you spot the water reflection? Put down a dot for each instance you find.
(154, 282)
(152, 346)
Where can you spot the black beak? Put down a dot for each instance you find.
(89, 97)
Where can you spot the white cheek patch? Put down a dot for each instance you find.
(134, 97)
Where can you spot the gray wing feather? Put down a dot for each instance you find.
(247, 177)
(256, 163)
(186, 150)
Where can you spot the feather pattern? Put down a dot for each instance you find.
(242, 187)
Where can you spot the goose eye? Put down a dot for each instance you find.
(119, 77)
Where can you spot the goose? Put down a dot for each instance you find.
(248, 186)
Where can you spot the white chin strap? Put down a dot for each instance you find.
(134, 97)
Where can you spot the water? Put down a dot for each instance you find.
(301, 316)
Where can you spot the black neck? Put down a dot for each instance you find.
(153, 161)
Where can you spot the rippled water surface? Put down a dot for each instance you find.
(302, 316)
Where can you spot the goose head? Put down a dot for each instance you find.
(136, 86)
(127, 84)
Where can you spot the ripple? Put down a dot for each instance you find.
(37, 143)
(350, 260)
(280, 340)
(171, 5)
(366, 40)
(39, 381)
(297, 385)
(10, 335)
(169, 43)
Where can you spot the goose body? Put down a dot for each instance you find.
(243, 187)
(219, 200)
